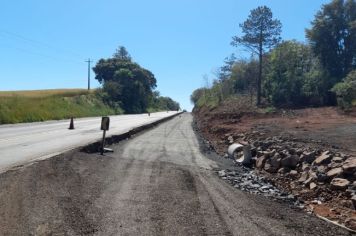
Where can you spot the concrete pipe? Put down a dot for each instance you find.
(246, 149)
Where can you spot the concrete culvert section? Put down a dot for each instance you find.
(240, 153)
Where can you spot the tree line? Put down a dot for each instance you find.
(288, 73)
(128, 86)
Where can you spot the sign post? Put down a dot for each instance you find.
(105, 123)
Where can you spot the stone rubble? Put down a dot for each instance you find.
(247, 180)
(312, 175)
(322, 168)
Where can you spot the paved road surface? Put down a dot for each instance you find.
(157, 183)
(22, 143)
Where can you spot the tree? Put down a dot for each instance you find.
(295, 77)
(333, 37)
(167, 103)
(196, 95)
(159, 103)
(261, 32)
(243, 77)
(224, 72)
(289, 63)
(126, 82)
(122, 54)
(243, 74)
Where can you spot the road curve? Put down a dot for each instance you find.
(157, 183)
(23, 143)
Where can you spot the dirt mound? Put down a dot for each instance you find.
(308, 152)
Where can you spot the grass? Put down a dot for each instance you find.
(41, 105)
(45, 93)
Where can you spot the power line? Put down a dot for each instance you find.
(29, 52)
(40, 43)
(46, 45)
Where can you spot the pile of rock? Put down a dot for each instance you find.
(247, 180)
(310, 168)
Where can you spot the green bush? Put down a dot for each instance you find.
(346, 91)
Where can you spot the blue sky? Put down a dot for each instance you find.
(43, 44)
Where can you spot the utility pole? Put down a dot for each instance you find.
(88, 61)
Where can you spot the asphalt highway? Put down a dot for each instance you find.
(22, 143)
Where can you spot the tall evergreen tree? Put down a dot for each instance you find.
(260, 33)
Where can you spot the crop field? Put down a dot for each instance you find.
(41, 105)
(45, 93)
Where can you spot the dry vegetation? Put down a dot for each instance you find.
(40, 105)
(45, 93)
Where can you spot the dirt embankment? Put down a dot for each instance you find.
(310, 153)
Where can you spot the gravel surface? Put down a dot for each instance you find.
(157, 183)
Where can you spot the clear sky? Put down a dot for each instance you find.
(44, 43)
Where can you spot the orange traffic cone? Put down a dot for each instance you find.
(71, 125)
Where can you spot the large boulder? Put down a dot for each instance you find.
(334, 172)
(305, 167)
(269, 168)
(293, 173)
(313, 174)
(290, 161)
(339, 184)
(308, 181)
(323, 159)
(260, 162)
(349, 165)
(303, 177)
(283, 170)
(268, 154)
(322, 177)
(353, 186)
(272, 165)
(337, 159)
(333, 165)
(322, 169)
(307, 157)
(312, 185)
(276, 161)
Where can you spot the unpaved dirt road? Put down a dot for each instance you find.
(157, 183)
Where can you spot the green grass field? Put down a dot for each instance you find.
(41, 105)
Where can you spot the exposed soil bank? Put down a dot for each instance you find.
(288, 146)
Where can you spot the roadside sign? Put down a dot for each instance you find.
(105, 123)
